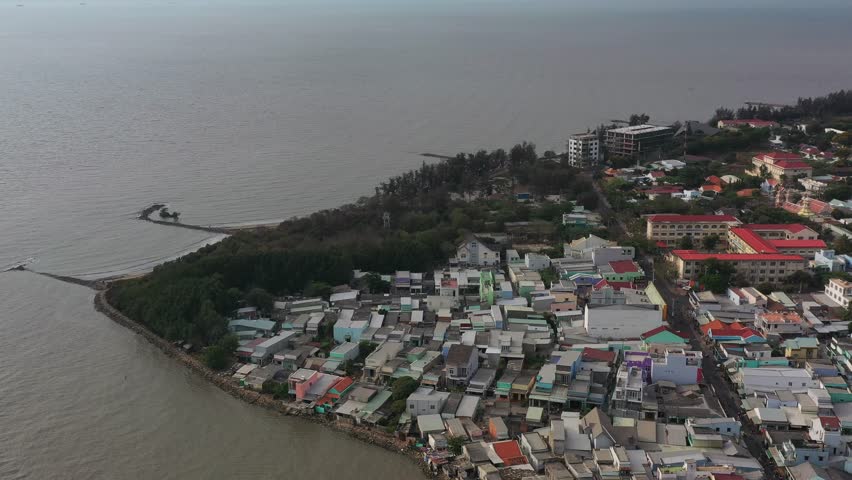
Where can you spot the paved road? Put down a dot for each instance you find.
(681, 318)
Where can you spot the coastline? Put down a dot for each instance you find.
(366, 435)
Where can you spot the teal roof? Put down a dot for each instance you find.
(801, 342)
(259, 324)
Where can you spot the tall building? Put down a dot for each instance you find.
(583, 149)
(671, 228)
(754, 267)
(627, 141)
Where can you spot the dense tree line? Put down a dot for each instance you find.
(189, 299)
(833, 104)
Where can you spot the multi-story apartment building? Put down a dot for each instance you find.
(671, 228)
(778, 164)
(755, 268)
(840, 291)
(583, 149)
(635, 139)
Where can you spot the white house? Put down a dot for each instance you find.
(840, 291)
(771, 379)
(679, 366)
(476, 251)
(426, 401)
(536, 261)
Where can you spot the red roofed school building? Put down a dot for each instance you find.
(671, 228)
(777, 164)
(793, 239)
(755, 268)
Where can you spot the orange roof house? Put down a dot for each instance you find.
(510, 452)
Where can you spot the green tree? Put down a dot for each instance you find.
(216, 357)
(375, 284)
(398, 406)
(260, 298)
(318, 289)
(842, 245)
(639, 119)
(209, 325)
(686, 243)
(710, 242)
(403, 387)
(716, 276)
(229, 343)
(455, 444)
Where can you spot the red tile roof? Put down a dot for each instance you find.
(658, 174)
(692, 218)
(746, 192)
(753, 240)
(615, 285)
(711, 188)
(789, 164)
(733, 332)
(662, 244)
(660, 329)
(713, 179)
(775, 156)
(785, 227)
(509, 452)
(726, 476)
(342, 384)
(830, 423)
(595, 355)
(718, 324)
(624, 266)
(692, 255)
(662, 189)
(797, 243)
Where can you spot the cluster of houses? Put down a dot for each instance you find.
(584, 379)
(787, 360)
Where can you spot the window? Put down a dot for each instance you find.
(789, 384)
(729, 429)
(431, 407)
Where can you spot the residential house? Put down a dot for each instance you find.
(801, 348)
(678, 366)
(247, 327)
(477, 251)
(779, 323)
(462, 363)
(840, 291)
(426, 401)
(378, 358)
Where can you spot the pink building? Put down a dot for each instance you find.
(301, 381)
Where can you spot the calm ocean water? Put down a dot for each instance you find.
(234, 112)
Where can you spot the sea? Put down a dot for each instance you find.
(235, 112)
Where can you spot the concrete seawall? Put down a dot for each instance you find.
(226, 383)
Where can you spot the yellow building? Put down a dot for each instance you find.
(671, 228)
(778, 164)
(755, 268)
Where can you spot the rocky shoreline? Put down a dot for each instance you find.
(367, 435)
